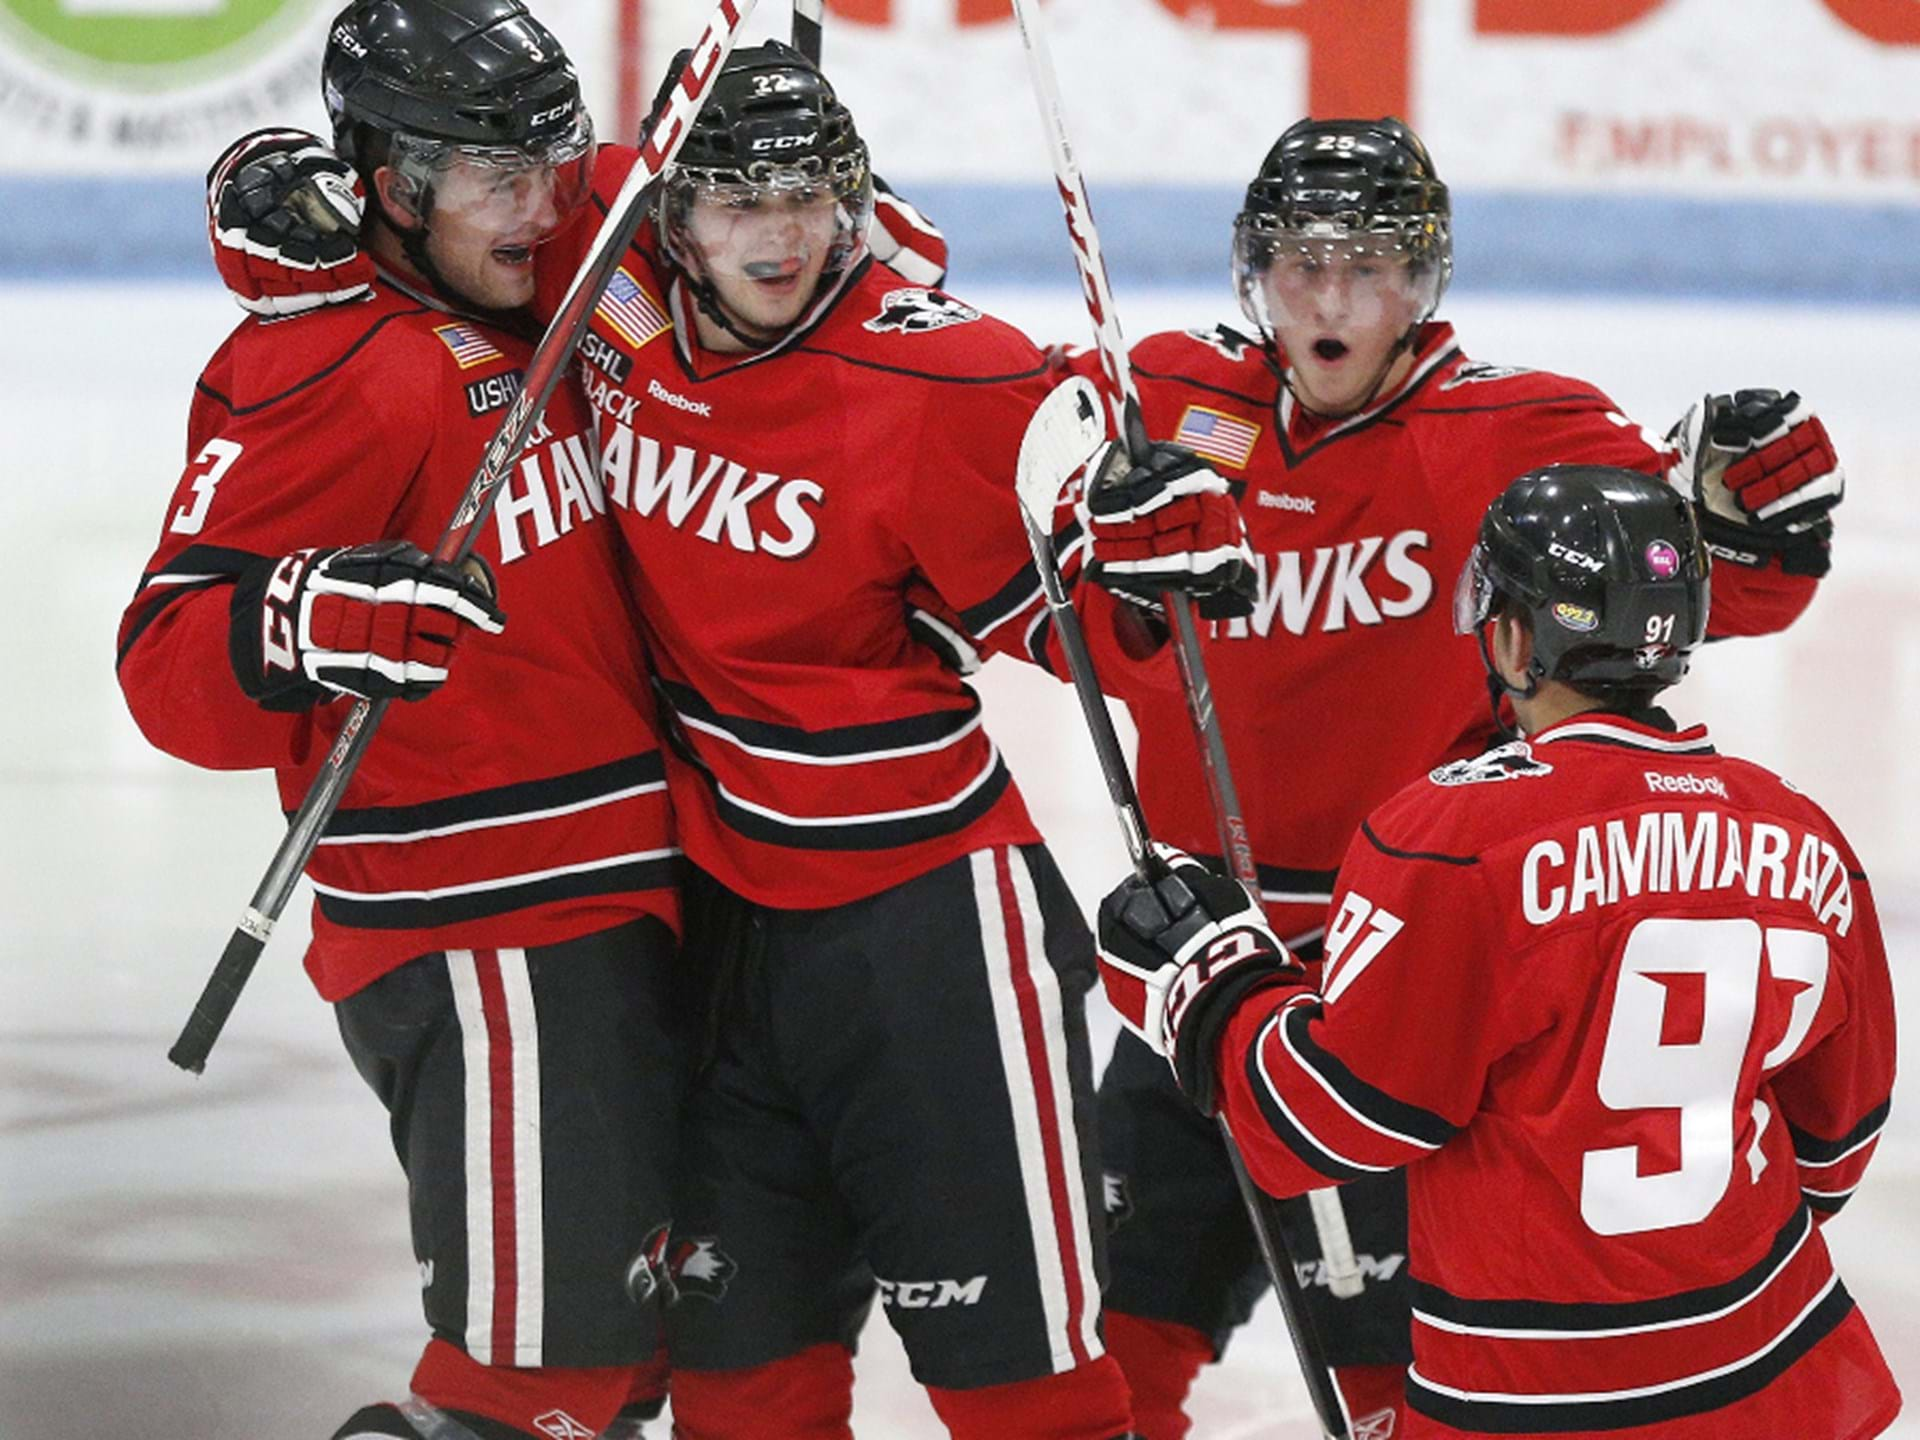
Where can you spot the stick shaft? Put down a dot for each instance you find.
(543, 373)
(1125, 398)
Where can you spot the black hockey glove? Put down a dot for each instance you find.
(284, 218)
(1758, 458)
(1168, 524)
(379, 621)
(1178, 957)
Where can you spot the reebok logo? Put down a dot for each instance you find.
(1685, 784)
(679, 402)
(1274, 500)
(562, 1426)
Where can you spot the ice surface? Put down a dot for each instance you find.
(226, 1257)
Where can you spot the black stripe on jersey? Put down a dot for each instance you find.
(1258, 402)
(317, 376)
(1366, 829)
(1014, 596)
(210, 565)
(1558, 1317)
(414, 913)
(524, 797)
(1828, 1205)
(1007, 379)
(1305, 1148)
(1371, 1104)
(1511, 404)
(1810, 1149)
(1498, 1417)
(841, 742)
(1622, 742)
(864, 834)
(154, 611)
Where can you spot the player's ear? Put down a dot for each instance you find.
(399, 198)
(1512, 649)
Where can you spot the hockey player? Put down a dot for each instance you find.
(496, 896)
(1363, 445)
(1620, 991)
(811, 461)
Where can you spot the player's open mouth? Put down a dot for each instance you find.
(1330, 350)
(513, 254)
(778, 275)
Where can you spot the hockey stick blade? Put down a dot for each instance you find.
(1063, 435)
(1061, 438)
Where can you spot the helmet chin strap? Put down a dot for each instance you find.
(1498, 687)
(1400, 347)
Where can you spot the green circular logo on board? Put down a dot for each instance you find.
(149, 43)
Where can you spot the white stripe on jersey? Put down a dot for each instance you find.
(1638, 1391)
(865, 757)
(872, 817)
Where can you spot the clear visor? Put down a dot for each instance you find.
(521, 193)
(1328, 276)
(1472, 596)
(779, 221)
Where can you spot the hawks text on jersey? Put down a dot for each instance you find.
(522, 804)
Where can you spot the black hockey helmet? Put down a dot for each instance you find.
(1365, 183)
(481, 79)
(1609, 568)
(771, 125)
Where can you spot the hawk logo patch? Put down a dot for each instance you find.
(915, 311)
(674, 1269)
(1476, 372)
(1229, 342)
(1508, 762)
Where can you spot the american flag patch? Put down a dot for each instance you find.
(630, 312)
(468, 345)
(1216, 436)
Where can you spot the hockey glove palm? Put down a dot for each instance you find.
(379, 621)
(1762, 470)
(1177, 957)
(284, 215)
(1169, 523)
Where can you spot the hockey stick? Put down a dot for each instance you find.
(1330, 1222)
(543, 373)
(1336, 1243)
(808, 16)
(1063, 435)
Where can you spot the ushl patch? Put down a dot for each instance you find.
(1508, 762)
(1216, 435)
(915, 311)
(469, 346)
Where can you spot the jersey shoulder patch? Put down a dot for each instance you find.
(1515, 761)
(1479, 372)
(911, 310)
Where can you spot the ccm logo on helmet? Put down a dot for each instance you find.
(344, 37)
(783, 142)
(543, 116)
(1576, 557)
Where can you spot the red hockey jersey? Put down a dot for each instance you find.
(1621, 1005)
(1348, 680)
(524, 802)
(784, 511)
